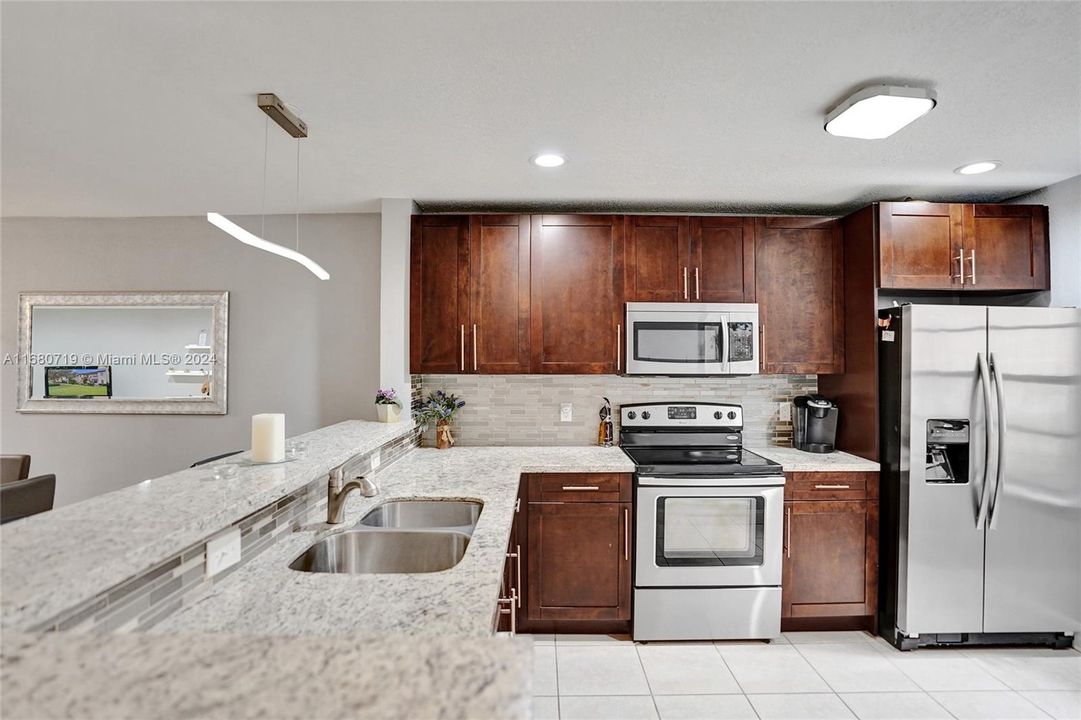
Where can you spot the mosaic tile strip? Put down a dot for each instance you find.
(524, 409)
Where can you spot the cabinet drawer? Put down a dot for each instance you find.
(831, 486)
(580, 487)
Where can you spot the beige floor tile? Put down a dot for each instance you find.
(894, 706)
(704, 707)
(544, 670)
(772, 669)
(610, 707)
(800, 706)
(545, 708)
(945, 672)
(1034, 672)
(988, 706)
(856, 667)
(1059, 704)
(600, 670)
(686, 669)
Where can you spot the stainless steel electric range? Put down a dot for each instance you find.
(708, 524)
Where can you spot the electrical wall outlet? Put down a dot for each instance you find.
(784, 411)
(377, 459)
(223, 552)
(566, 412)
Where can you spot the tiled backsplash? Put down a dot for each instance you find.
(524, 409)
(142, 601)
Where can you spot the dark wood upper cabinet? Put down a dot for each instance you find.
(920, 245)
(1006, 247)
(438, 293)
(498, 332)
(722, 259)
(576, 291)
(950, 246)
(799, 290)
(658, 263)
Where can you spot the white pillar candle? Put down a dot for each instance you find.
(268, 437)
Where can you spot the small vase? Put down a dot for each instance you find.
(443, 438)
(389, 413)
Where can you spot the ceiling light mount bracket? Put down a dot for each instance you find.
(288, 120)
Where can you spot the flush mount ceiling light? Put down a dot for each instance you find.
(548, 160)
(978, 167)
(277, 111)
(879, 111)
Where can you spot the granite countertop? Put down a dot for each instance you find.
(265, 597)
(57, 559)
(794, 460)
(59, 675)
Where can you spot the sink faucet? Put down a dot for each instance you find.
(338, 492)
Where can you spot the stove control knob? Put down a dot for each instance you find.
(645, 414)
(632, 415)
(717, 415)
(731, 414)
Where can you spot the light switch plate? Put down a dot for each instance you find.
(784, 411)
(222, 552)
(377, 459)
(566, 412)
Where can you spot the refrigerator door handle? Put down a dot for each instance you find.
(996, 379)
(981, 515)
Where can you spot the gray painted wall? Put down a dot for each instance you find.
(297, 345)
(1063, 201)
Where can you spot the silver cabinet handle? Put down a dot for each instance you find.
(517, 505)
(972, 259)
(685, 288)
(463, 348)
(697, 294)
(511, 603)
(518, 572)
(981, 514)
(831, 487)
(474, 347)
(996, 379)
(581, 487)
(619, 345)
(960, 266)
(788, 532)
(626, 534)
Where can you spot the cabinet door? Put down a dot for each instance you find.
(1005, 247)
(579, 561)
(919, 246)
(576, 279)
(658, 268)
(829, 559)
(722, 259)
(799, 289)
(498, 337)
(438, 293)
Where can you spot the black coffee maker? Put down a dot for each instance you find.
(814, 423)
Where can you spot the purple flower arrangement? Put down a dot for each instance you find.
(389, 396)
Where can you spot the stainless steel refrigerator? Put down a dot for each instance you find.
(981, 475)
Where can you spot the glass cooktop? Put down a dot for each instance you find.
(699, 461)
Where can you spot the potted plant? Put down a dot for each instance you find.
(387, 405)
(438, 409)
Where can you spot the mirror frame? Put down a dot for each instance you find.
(216, 404)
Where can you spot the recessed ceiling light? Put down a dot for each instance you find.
(978, 167)
(879, 111)
(548, 160)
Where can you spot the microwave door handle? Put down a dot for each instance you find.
(722, 337)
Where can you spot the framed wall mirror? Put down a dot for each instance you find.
(160, 353)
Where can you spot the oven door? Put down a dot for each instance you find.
(692, 338)
(708, 536)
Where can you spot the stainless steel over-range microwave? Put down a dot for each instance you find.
(692, 338)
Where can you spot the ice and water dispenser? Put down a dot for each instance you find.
(947, 451)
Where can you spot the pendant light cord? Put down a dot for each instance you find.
(266, 141)
(298, 195)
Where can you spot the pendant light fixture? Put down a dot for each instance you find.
(277, 111)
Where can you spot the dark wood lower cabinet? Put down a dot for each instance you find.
(830, 575)
(575, 553)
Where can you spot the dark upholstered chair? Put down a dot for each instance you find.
(23, 498)
(14, 467)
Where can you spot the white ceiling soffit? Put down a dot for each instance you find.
(136, 109)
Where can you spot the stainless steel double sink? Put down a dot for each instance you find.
(403, 536)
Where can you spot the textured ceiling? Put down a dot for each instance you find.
(149, 108)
